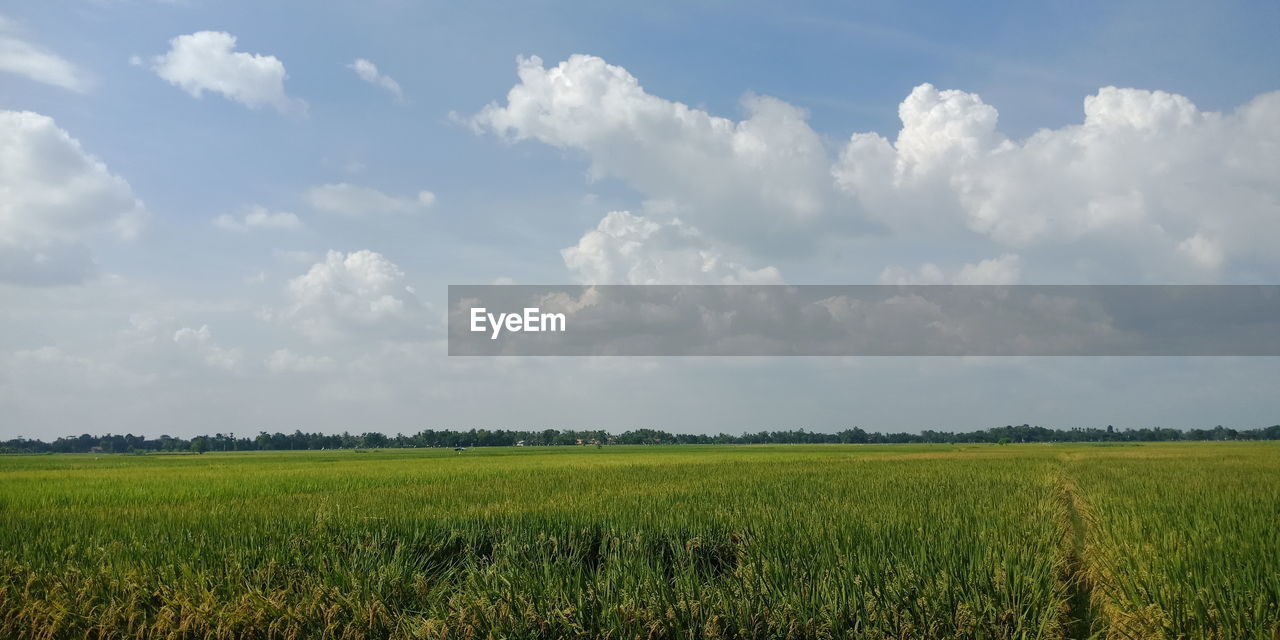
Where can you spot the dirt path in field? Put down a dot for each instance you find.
(1080, 616)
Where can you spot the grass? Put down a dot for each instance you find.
(826, 541)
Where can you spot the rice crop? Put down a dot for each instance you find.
(1184, 542)
(792, 541)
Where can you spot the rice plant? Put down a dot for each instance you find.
(821, 541)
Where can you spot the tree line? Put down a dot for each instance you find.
(298, 440)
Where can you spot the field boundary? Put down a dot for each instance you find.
(1080, 618)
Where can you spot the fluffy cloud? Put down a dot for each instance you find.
(1148, 188)
(630, 249)
(258, 217)
(1002, 270)
(358, 294)
(368, 72)
(53, 197)
(1147, 179)
(207, 61)
(749, 180)
(26, 59)
(355, 200)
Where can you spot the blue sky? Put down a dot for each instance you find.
(187, 323)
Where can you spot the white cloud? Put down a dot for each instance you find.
(258, 217)
(1203, 251)
(355, 200)
(358, 294)
(160, 344)
(207, 61)
(1147, 183)
(200, 343)
(630, 249)
(749, 180)
(1002, 270)
(286, 361)
(927, 273)
(1148, 188)
(369, 73)
(53, 197)
(26, 59)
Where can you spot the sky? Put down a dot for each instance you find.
(238, 216)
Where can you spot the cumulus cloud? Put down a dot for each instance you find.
(1147, 178)
(354, 200)
(23, 58)
(749, 180)
(996, 271)
(1147, 188)
(368, 72)
(53, 197)
(630, 249)
(258, 217)
(207, 61)
(358, 294)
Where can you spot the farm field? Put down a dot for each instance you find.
(792, 541)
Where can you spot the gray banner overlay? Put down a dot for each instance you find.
(874, 320)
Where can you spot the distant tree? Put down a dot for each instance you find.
(110, 443)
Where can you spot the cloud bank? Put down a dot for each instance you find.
(1148, 188)
(1181, 193)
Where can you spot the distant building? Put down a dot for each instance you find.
(520, 443)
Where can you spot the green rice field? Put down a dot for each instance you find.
(1176, 540)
